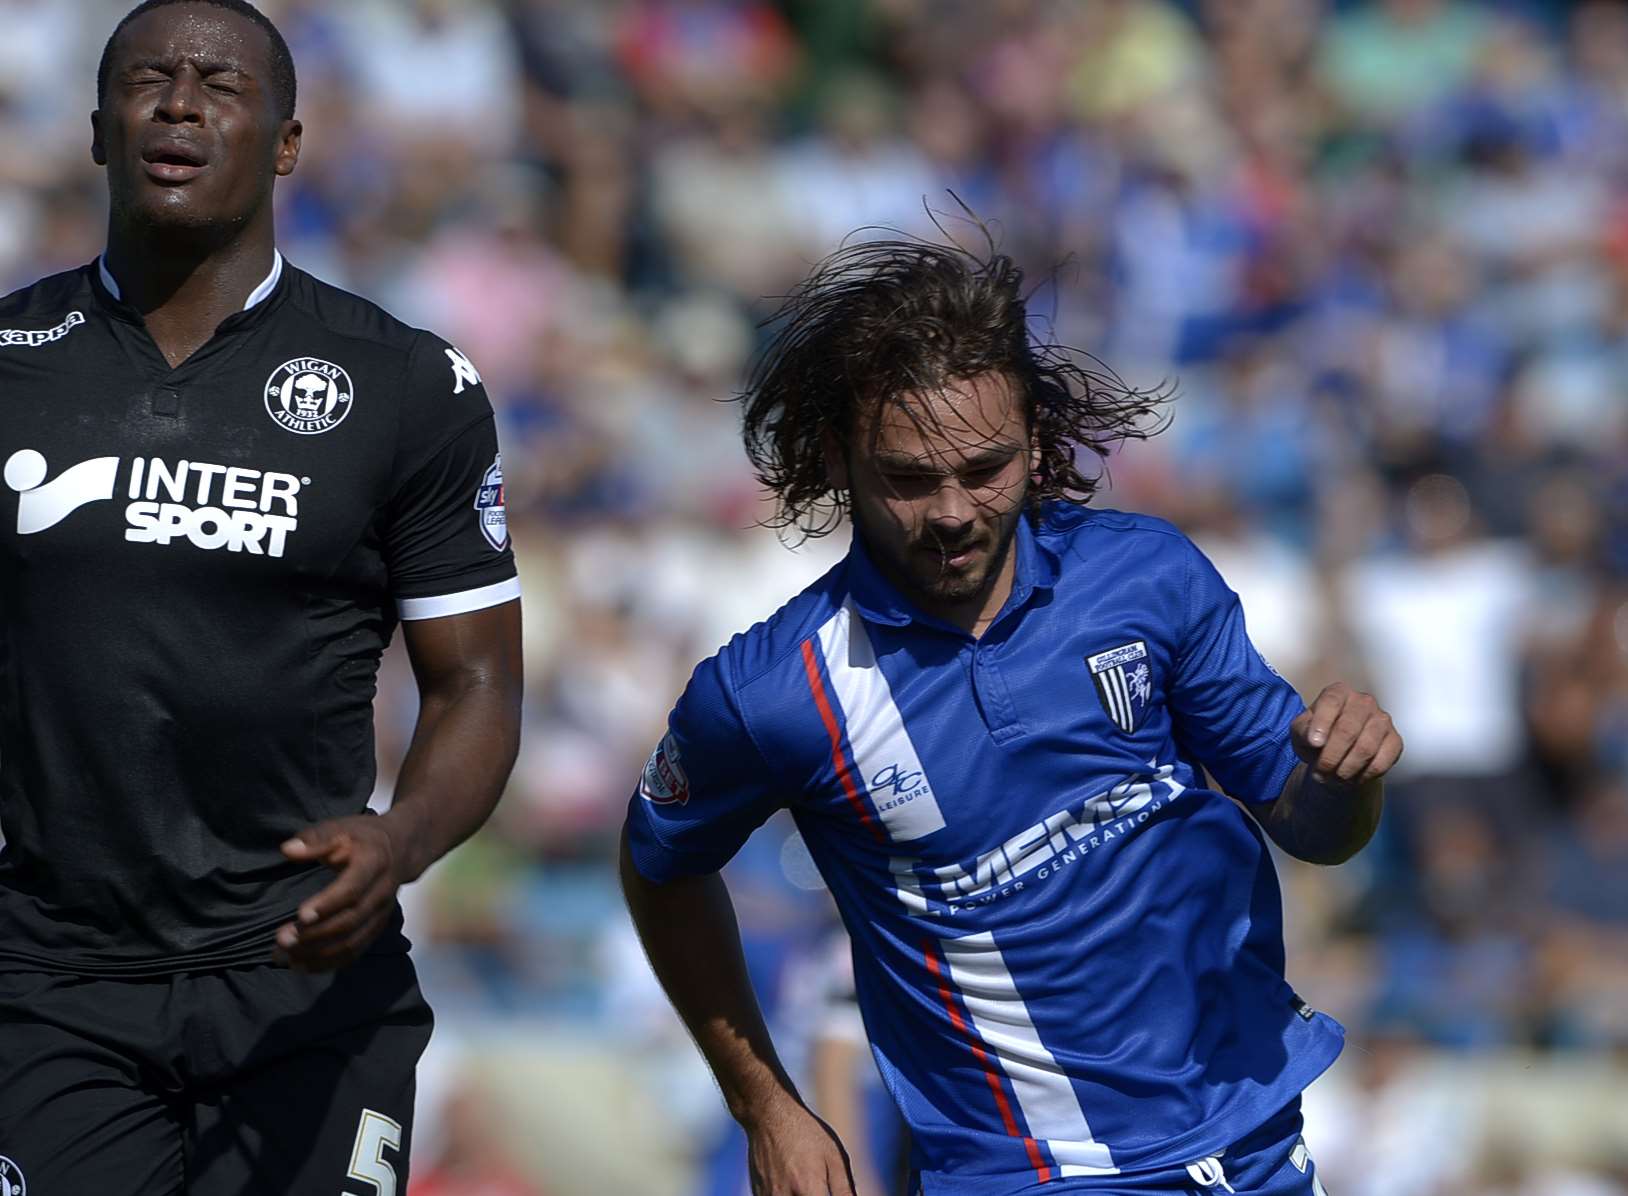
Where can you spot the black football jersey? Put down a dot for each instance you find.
(199, 569)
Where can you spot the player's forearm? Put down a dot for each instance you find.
(689, 932)
(462, 751)
(1324, 822)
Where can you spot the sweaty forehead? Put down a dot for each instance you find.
(963, 418)
(194, 33)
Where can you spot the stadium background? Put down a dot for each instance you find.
(1382, 247)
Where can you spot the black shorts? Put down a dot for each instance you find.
(240, 1081)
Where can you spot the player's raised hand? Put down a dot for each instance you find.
(1345, 737)
(791, 1152)
(333, 927)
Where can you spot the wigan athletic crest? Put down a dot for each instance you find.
(11, 1179)
(307, 396)
(494, 517)
(1124, 682)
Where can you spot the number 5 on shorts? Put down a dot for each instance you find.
(367, 1163)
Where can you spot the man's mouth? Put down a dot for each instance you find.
(954, 556)
(173, 162)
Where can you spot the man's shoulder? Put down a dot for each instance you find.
(765, 653)
(50, 296)
(1069, 529)
(346, 314)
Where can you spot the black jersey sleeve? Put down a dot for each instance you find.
(446, 534)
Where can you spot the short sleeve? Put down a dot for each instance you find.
(705, 788)
(1230, 707)
(446, 531)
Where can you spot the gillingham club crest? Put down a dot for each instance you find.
(489, 505)
(11, 1179)
(1124, 682)
(308, 396)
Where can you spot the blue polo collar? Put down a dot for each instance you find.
(879, 601)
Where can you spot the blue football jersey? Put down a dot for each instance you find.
(1068, 949)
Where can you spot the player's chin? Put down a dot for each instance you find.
(956, 586)
(177, 208)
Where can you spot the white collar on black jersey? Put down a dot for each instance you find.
(255, 296)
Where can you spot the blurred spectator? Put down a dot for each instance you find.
(474, 1157)
(1440, 623)
(1388, 60)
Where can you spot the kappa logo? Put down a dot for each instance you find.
(464, 372)
(491, 506)
(33, 338)
(11, 1179)
(664, 781)
(308, 396)
(1124, 682)
(209, 506)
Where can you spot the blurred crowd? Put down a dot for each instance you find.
(1381, 249)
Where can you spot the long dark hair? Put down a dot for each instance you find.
(880, 319)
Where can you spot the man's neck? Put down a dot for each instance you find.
(184, 290)
(976, 614)
(972, 615)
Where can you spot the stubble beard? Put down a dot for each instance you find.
(946, 584)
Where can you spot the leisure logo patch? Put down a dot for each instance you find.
(490, 506)
(11, 1179)
(664, 781)
(33, 338)
(308, 396)
(1124, 681)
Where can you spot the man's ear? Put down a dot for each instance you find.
(836, 461)
(288, 147)
(98, 151)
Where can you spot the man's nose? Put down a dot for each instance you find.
(951, 508)
(180, 101)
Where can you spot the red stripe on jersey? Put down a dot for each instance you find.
(828, 716)
(1036, 1160)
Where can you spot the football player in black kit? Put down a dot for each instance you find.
(224, 483)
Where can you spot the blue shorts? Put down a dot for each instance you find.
(1269, 1161)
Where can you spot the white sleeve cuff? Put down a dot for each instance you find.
(461, 603)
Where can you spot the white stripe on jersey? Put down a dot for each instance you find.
(1002, 1020)
(886, 759)
(1123, 684)
(442, 605)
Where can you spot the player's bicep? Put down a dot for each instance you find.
(705, 787)
(1230, 707)
(476, 648)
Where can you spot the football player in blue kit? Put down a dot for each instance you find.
(996, 722)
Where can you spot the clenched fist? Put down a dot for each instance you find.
(1345, 737)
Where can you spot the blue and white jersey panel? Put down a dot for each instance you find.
(1068, 951)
